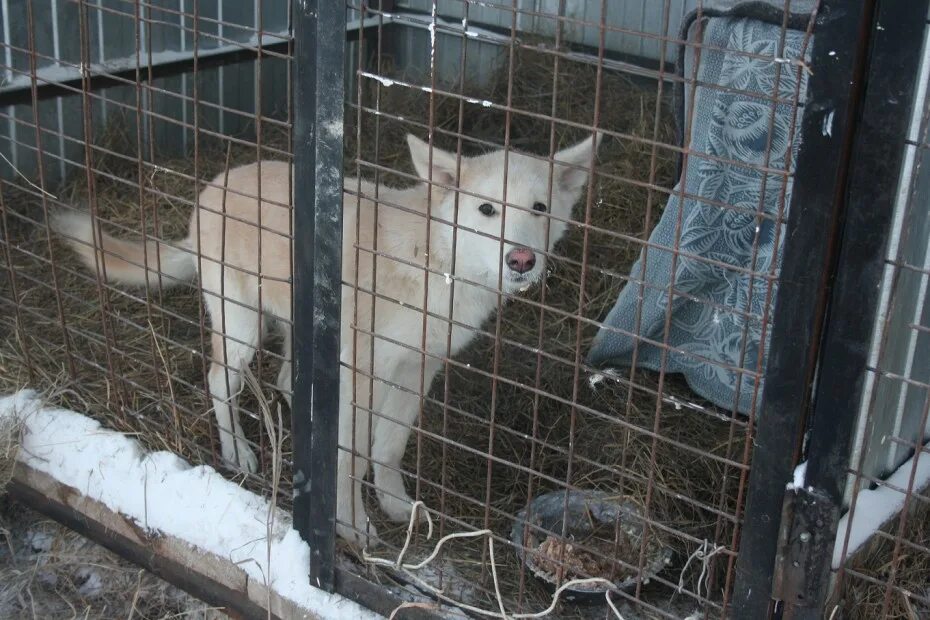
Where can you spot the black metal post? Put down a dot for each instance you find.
(319, 85)
(877, 157)
(809, 250)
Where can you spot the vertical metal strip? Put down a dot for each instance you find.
(101, 58)
(837, 59)
(875, 173)
(185, 94)
(319, 33)
(12, 125)
(59, 112)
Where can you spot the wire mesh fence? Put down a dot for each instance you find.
(562, 235)
(513, 429)
(136, 113)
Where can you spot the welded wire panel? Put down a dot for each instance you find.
(527, 183)
(483, 258)
(124, 117)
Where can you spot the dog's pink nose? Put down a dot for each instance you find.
(521, 260)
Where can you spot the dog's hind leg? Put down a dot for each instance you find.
(241, 326)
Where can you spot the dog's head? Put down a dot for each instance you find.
(527, 217)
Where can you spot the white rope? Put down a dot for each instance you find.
(413, 517)
(612, 608)
(568, 584)
(502, 611)
(704, 554)
(409, 605)
(497, 587)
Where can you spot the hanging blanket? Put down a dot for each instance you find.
(718, 304)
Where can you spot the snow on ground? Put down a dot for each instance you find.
(797, 479)
(162, 492)
(874, 507)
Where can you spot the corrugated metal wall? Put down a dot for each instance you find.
(114, 37)
(639, 25)
(894, 394)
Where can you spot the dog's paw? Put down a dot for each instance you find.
(241, 458)
(362, 535)
(397, 508)
(248, 462)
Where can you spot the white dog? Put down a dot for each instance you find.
(405, 362)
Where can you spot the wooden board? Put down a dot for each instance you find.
(214, 579)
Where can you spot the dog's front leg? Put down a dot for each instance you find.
(354, 423)
(397, 414)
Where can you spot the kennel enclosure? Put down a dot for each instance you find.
(794, 132)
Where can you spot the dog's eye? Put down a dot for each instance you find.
(540, 207)
(486, 209)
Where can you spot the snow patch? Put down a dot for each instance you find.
(93, 582)
(594, 380)
(384, 81)
(874, 507)
(827, 124)
(597, 378)
(334, 128)
(797, 479)
(164, 493)
(38, 541)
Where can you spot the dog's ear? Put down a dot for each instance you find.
(443, 164)
(569, 177)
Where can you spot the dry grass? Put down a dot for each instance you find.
(155, 388)
(48, 571)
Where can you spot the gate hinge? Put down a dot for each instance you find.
(805, 547)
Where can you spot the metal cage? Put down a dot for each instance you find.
(646, 289)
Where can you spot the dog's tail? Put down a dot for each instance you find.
(126, 262)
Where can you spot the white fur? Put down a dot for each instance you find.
(401, 370)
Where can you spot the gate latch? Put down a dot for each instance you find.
(805, 547)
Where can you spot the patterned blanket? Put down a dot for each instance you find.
(725, 271)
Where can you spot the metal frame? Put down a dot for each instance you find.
(51, 84)
(874, 176)
(813, 222)
(319, 31)
(866, 132)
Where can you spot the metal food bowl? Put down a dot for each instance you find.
(585, 511)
